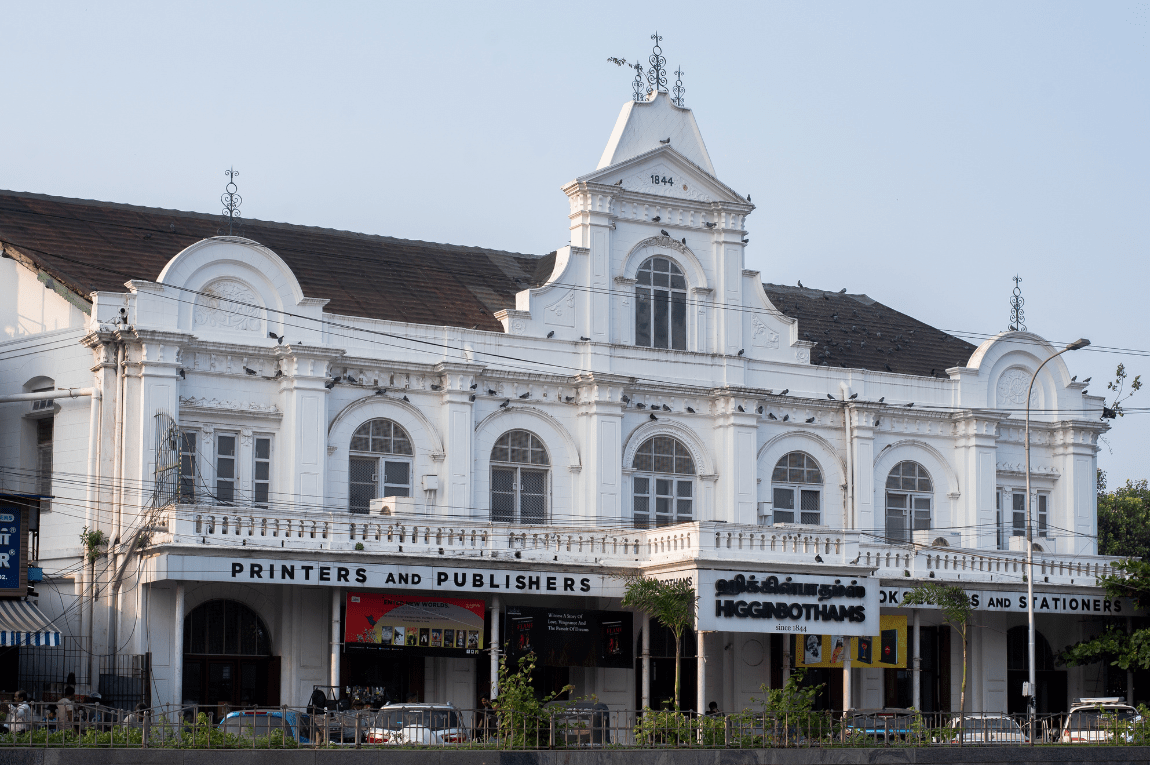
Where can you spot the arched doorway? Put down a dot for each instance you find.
(227, 658)
(1050, 696)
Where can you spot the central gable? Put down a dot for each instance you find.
(664, 172)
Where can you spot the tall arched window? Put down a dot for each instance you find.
(380, 459)
(225, 627)
(519, 472)
(909, 498)
(663, 484)
(660, 305)
(797, 484)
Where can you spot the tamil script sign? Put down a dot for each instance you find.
(737, 601)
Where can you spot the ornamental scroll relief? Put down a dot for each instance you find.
(761, 335)
(228, 304)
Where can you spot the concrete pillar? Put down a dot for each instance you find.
(847, 677)
(495, 610)
(646, 661)
(701, 679)
(178, 648)
(336, 637)
(916, 678)
(1130, 672)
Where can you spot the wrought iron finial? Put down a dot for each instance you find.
(640, 89)
(679, 89)
(231, 201)
(1017, 316)
(657, 74)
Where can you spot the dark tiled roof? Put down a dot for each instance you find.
(857, 332)
(92, 246)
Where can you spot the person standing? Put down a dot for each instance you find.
(19, 713)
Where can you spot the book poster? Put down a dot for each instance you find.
(570, 637)
(888, 649)
(429, 626)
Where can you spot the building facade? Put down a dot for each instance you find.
(280, 429)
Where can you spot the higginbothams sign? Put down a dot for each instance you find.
(739, 601)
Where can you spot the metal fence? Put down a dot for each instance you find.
(122, 680)
(64, 725)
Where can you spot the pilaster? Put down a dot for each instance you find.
(302, 453)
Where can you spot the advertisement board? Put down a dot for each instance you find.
(567, 637)
(13, 552)
(736, 601)
(887, 649)
(424, 626)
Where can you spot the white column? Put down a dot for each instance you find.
(495, 608)
(178, 648)
(847, 677)
(916, 698)
(336, 636)
(701, 679)
(646, 660)
(1130, 672)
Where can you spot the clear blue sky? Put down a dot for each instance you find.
(922, 153)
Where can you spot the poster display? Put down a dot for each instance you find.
(565, 637)
(425, 626)
(888, 649)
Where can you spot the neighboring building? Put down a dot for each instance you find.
(293, 425)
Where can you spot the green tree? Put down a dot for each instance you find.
(1129, 579)
(672, 602)
(1124, 519)
(956, 610)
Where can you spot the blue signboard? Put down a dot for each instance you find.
(11, 551)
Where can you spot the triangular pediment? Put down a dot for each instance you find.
(664, 172)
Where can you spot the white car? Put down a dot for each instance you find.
(417, 725)
(1097, 720)
(988, 728)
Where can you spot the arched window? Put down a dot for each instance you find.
(225, 627)
(660, 305)
(909, 497)
(663, 484)
(797, 483)
(380, 459)
(519, 472)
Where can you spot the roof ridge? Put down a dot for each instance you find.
(96, 203)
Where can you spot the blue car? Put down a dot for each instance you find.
(253, 723)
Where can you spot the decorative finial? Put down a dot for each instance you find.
(657, 74)
(1017, 316)
(679, 89)
(640, 89)
(231, 201)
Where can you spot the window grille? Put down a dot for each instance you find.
(660, 305)
(663, 485)
(381, 458)
(909, 498)
(519, 479)
(795, 477)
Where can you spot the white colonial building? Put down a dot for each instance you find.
(275, 428)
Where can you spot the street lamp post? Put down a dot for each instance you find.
(1080, 343)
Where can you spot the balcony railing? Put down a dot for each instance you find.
(701, 541)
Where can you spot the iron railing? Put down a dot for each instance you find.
(60, 725)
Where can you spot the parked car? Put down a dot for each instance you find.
(1096, 720)
(881, 724)
(988, 728)
(254, 723)
(417, 724)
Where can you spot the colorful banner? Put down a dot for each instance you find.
(888, 649)
(430, 626)
(566, 637)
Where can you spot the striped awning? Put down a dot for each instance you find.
(21, 623)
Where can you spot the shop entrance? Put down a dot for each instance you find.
(1051, 693)
(375, 675)
(227, 658)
